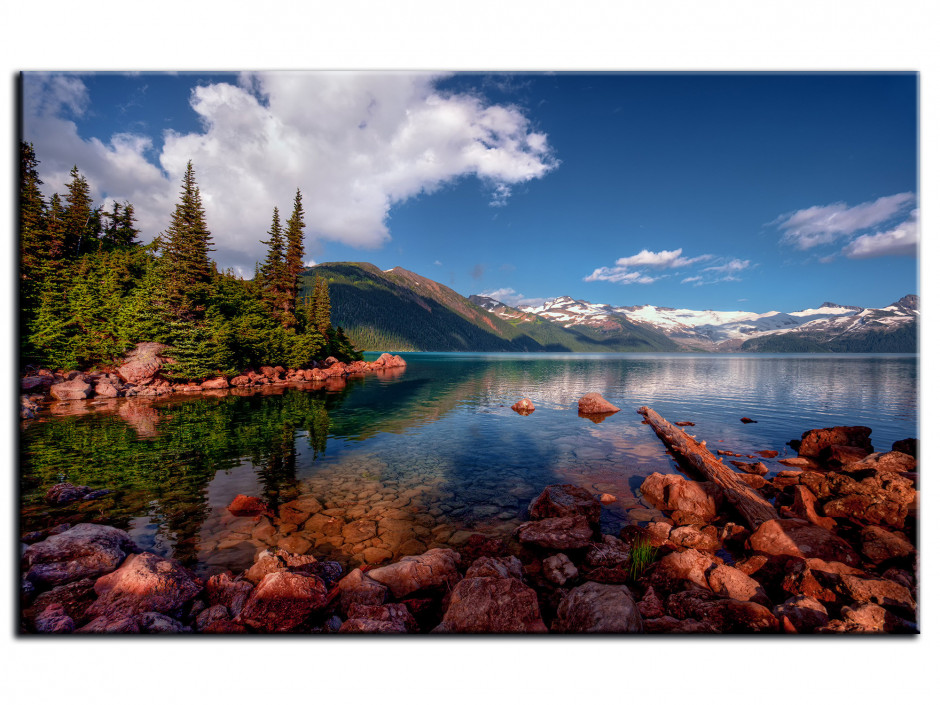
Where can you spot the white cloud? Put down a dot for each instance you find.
(619, 275)
(665, 258)
(901, 240)
(510, 297)
(822, 225)
(735, 265)
(438, 263)
(354, 143)
(689, 280)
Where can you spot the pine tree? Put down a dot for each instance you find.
(321, 305)
(186, 246)
(82, 223)
(34, 245)
(294, 256)
(274, 275)
(120, 230)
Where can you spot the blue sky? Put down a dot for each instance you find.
(722, 191)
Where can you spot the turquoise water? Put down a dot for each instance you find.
(434, 450)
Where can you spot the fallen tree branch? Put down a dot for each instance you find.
(752, 507)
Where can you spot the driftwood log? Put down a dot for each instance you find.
(753, 508)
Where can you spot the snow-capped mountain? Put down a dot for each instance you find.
(725, 330)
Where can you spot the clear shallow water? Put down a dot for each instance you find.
(434, 451)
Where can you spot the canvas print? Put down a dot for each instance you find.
(468, 353)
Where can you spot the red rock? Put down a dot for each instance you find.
(798, 538)
(690, 537)
(882, 498)
(650, 607)
(75, 598)
(492, 567)
(868, 618)
(54, 620)
(745, 419)
(243, 506)
(524, 407)
(142, 363)
(105, 390)
(336, 370)
(145, 583)
(886, 593)
(674, 492)
(559, 533)
(77, 388)
(838, 455)
(66, 493)
(360, 530)
(757, 468)
(607, 498)
(111, 624)
(83, 551)
(768, 453)
(594, 403)
(565, 501)
(36, 383)
(390, 618)
(595, 608)
(558, 569)
(731, 582)
(332, 360)
(241, 381)
(683, 423)
(492, 606)
(804, 507)
(609, 552)
(725, 615)
(683, 568)
(814, 442)
(357, 588)
(435, 568)
(908, 446)
(816, 578)
(283, 602)
(228, 592)
(880, 545)
(892, 461)
(803, 613)
(217, 383)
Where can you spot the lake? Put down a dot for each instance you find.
(433, 451)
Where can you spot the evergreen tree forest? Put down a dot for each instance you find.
(89, 290)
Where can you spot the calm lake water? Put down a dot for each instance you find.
(433, 451)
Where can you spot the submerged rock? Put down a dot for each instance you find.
(559, 533)
(565, 501)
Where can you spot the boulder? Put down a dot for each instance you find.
(209, 615)
(722, 614)
(690, 537)
(596, 608)
(143, 363)
(594, 403)
(106, 390)
(77, 388)
(609, 552)
(492, 606)
(683, 568)
(145, 583)
(492, 567)
(867, 618)
(565, 501)
(837, 455)
(558, 533)
(559, 569)
(908, 446)
(277, 560)
(54, 620)
(884, 497)
(392, 618)
(886, 593)
(731, 582)
(217, 383)
(804, 614)
(880, 545)
(241, 381)
(225, 591)
(83, 551)
(524, 407)
(436, 568)
(75, 598)
(283, 602)
(757, 468)
(816, 578)
(798, 538)
(892, 461)
(815, 441)
(674, 492)
(156, 623)
(111, 624)
(804, 507)
(359, 589)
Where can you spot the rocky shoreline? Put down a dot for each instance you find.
(143, 375)
(841, 559)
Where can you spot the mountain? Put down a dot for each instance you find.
(829, 328)
(400, 310)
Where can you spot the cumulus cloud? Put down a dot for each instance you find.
(355, 144)
(823, 225)
(690, 280)
(630, 270)
(901, 240)
(665, 258)
(619, 275)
